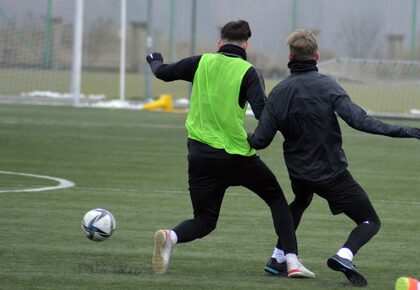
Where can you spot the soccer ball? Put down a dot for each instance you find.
(98, 224)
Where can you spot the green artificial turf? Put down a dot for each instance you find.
(135, 165)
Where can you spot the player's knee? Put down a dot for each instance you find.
(274, 199)
(302, 201)
(373, 225)
(378, 224)
(207, 225)
(210, 225)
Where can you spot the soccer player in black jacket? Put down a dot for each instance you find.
(303, 108)
(219, 155)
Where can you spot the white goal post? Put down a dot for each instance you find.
(77, 52)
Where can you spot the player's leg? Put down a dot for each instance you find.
(253, 174)
(368, 225)
(207, 189)
(303, 197)
(345, 195)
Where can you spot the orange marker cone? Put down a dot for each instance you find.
(406, 283)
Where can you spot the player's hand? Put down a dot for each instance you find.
(415, 133)
(154, 56)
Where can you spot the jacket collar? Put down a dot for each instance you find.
(302, 66)
(233, 50)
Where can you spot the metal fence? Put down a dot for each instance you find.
(37, 37)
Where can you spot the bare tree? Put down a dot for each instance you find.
(360, 37)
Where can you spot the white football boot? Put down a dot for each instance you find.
(295, 269)
(163, 251)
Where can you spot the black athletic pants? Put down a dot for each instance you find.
(208, 180)
(344, 195)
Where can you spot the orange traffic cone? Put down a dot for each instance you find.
(406, 283)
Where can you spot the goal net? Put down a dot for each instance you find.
(38, 40)
(36, 43)
(37, 50)
(382, 87)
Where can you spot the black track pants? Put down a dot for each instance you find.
(208, 180)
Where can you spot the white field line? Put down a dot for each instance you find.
(62, 183)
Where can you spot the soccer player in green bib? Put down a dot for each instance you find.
(219, 155)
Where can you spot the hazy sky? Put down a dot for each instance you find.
(270, 20)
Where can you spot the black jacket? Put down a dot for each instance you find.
(251, 91)
(303, 108)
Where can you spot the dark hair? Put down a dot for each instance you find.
(236, 31)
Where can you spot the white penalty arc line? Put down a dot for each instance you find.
(62, 183)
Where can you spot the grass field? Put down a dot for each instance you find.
(134, 164)
(392, 97)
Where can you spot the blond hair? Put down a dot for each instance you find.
(302, 44)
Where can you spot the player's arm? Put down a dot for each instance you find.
(181, 70)
(357, 118)
(266, 128)
(252, 91)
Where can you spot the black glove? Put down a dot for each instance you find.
(154, 56)
(414, 132)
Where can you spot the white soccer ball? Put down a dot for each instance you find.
(98, 224)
